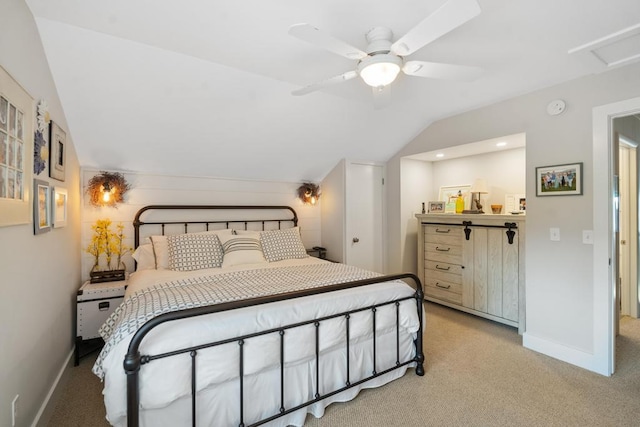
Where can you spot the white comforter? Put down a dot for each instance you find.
(167, 381)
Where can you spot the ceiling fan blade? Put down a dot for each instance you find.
(317, 37)
(381, 97)
(449, 16)
(325, 83)
(436, 70)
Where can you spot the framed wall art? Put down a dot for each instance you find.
(41, 206)
(16, 148)
(57, 152)
(59, 207)
(559, 180)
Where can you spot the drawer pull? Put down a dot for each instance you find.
(442, 249)
(443, 231)
(442, 268)
(103, 306)
(442, 286)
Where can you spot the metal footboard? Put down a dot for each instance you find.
(134, 360)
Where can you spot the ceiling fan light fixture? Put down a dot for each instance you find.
(379, 70)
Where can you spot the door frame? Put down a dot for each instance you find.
(604, 272)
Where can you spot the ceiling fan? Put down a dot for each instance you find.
(383, 59)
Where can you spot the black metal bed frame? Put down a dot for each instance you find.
(134, 360)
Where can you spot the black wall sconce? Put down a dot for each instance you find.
(107, 189)
(309, 193)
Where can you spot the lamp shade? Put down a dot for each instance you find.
(479, 186)
(379, 70)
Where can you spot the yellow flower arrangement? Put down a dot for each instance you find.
(107, 242)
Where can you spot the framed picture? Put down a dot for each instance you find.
(41, 206)
(436, 207)
(16, 148)
(448, 194)
(559, 180)
(57, 152)
(59, 207)
(515, 203)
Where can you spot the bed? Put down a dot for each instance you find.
(227, 321)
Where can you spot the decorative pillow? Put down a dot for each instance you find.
(242, 249)
(282, 244)
(144, 257)
(194, 251)
(161, 251)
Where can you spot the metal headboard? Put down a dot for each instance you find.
(240, 219)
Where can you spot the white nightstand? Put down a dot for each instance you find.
(94, 304)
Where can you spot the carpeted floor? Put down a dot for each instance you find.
(477, 374)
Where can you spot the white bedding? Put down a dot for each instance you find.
(165, 384)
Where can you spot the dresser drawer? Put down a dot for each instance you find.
(443, 252)
(443, 267)
(442, 234)
(453, 294)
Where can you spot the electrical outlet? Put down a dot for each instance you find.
(14, 410)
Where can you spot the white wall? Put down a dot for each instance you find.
(334, 212)
(148, 189)
(39, 275)
(417, 188)
(560, 292)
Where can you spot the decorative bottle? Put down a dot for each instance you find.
(459, 202)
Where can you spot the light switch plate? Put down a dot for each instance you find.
(587, 237)
(554, 234)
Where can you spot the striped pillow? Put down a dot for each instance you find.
(194, 251)
(282, 244)
(242, 249)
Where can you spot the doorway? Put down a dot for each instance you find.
(626, 134)
(605, 228)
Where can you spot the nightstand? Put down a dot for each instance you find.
(317, 252)
(94, 304)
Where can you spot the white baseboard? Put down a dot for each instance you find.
(48, 405)
(570, 355)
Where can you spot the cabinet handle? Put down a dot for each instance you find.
(443, 231)
(441, 268)
(442, 286)
(442, 249)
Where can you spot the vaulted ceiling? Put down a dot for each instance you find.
(198, 87)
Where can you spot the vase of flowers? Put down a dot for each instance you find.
(108, 246)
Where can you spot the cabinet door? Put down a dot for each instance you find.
(490, 275)
(510, 277)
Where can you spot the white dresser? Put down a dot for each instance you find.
(474, 263)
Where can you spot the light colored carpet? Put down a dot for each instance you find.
(477, 374)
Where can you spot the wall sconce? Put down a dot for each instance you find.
(309, 193)
(107, 189)
(479, 187)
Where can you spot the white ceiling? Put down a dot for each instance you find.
(199, 87)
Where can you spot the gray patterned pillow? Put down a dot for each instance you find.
(282, 244)
(194, 251)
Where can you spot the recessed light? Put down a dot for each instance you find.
(501, 144)
(440, 155)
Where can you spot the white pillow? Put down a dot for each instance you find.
(144, 257)
(161, 251)
(194, 251)
(282, 244)
(242, 249)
